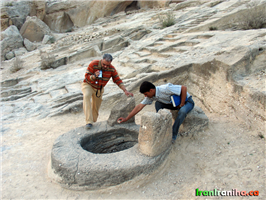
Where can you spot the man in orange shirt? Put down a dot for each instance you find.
(97, 76)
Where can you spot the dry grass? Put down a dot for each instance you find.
(17, 65)
(167, 19)
(46, 60)
(252, 18)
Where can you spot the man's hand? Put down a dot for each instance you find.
(97, 73)
(121, 119)
(137, 108)
(181, 105)
(128, 93)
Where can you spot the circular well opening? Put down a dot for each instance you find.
(110, 141)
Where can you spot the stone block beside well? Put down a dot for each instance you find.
(155, 132)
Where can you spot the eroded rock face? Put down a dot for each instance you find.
(155, 133)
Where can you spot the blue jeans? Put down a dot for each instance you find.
(182, 113)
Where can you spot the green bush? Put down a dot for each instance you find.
(167, 20)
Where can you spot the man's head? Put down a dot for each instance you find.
(148, 89)
(106, 61)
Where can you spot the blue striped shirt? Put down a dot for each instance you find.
(163, 94)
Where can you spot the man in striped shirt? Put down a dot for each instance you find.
(162, 95)
(97, 76)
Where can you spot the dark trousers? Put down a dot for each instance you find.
(182, 113)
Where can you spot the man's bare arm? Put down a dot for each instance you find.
(132, 113)
(183, 95)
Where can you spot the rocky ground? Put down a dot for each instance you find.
(224, 71)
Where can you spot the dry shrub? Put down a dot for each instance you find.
(253, 18)
(167, 19)
(17, 65)
(46, 60)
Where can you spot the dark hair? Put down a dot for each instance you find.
(146, 86)
(108, 57)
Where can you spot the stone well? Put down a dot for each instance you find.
(110, 155)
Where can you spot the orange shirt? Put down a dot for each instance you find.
(106, 75)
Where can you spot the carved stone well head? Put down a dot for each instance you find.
(107, 155)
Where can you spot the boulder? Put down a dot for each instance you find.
(9, 55)
(155, 134)
(11, 39)
(30, 46)
(122, 109)
(195, 121)
(20, 51)
(34, 29)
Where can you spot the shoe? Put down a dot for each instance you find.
(174, 137)
(88, 126)
(173, 141)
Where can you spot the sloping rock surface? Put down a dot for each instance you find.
(224, 70)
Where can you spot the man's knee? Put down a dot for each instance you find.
(182, 113)
(86, 94)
